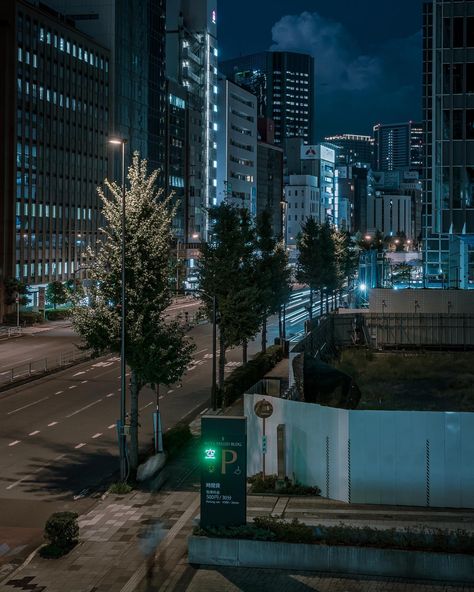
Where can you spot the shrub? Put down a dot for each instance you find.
(58, 314)
(120, 488)
(26, 318)
(288, 532)
(175, 439)
(243, 377)
(61, 531)
(271, 485)
(247, 532)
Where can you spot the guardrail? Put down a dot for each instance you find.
(6, 332)
(42, 366)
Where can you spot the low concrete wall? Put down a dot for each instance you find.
(351, 560)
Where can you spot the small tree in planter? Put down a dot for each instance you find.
(61, 531)
(56, 293)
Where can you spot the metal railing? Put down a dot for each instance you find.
(6, 332)
(43, 365)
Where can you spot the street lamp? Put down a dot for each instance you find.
(123, 473)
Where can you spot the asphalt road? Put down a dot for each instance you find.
(58, 436)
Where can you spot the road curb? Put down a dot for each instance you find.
(22, 566)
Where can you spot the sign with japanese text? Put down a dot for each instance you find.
(223, 458)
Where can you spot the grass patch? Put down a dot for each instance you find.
(412, 381)
(271, 485)
(120, 488)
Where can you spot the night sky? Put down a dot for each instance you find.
(368, 53)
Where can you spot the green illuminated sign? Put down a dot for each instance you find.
(210, 454)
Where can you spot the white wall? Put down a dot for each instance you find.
(378, 457)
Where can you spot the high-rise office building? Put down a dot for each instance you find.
(270, 184)
(353, 149)
(237, 141)
(54, 120)
(448, 107)
(283, 83)
(398, 147)
(135, 34)
(191, 61)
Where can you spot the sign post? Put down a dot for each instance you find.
(263, 409)
(223, 457)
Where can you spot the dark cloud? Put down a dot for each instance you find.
(383, 85)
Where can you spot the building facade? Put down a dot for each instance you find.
(353, 149)
(398, 147)
(270, 185)
(448, 107)
(283, 83)
(191, 61)
(390, 214)
(54, 114)
(302, 196)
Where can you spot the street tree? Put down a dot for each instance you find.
(273, 272)
(56, 293)
(14, 288)
(157, 350)
(226, 272)
(311, 265)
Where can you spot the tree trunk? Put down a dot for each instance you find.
(245, 351)
(221, 360)
(133, 449)
(264, 334)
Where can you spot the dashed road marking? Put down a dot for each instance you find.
(145, 406)
(110, 395)
(53, 423)
(111, 426)
(59, 392)
(14, 443)
(34, 433)
(98, 435)
(81, 445)
(83, 408)
(79, 373)
(73, 386)
(84, 381)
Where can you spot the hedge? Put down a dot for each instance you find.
(244, 377)
(58, 314)
(26, 318)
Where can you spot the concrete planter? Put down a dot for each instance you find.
(447, 567)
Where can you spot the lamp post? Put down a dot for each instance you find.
(122, 438)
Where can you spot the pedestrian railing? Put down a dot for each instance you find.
(6, 332)
(43, 366)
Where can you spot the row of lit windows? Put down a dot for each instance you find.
(56, 211)
(71, 48)
(36, 269)
(56, 98)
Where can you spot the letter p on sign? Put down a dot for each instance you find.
(228, 458)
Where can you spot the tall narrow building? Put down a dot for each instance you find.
(448, 107)
(283, 83)
(191, 61)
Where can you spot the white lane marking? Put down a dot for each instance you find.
(6, 372)
(145, 406)
(162, 397)
(102, 364)
(53, 423)
(98, 435)
(201, 351)
(191, 368)
(111, 426)
(110, 395)
(80, 445)
(83, 408)
(19, 481)
(59, 392)
(79, 373)
(14, 443)
(26, 406)
(73, 386)
(84, 381)
(34, 433)
(204, 411)
(60, 457)
(170, 391)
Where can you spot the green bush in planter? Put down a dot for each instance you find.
(62, 530)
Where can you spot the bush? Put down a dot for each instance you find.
(288, 532)
(61, 531)
(26, 318)
(175, 439)
(247, 532)
(244, 377)
(270, 485)
(120, 488)
(58, 314)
